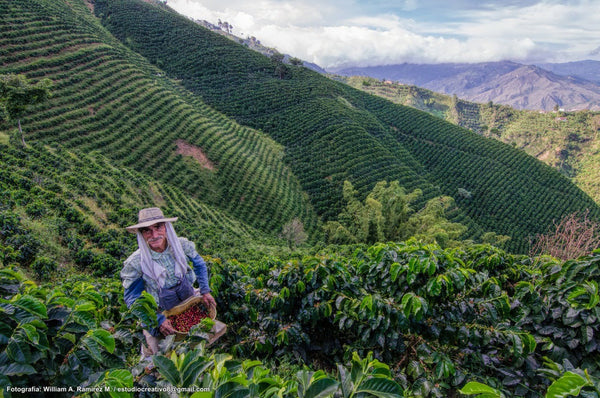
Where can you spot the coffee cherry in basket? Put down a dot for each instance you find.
(183, 322)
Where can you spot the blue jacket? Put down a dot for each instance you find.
(135, 289)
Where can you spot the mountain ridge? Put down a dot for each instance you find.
(500, 82)
(573, 93)
(586, 69)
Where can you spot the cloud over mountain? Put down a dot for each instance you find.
(374, 33)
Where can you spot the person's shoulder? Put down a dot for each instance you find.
(132, 267)
(134, 258)
(187, 245)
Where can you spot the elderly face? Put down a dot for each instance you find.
(156, 236)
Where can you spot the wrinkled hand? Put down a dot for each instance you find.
(208, 300)
(166, 328)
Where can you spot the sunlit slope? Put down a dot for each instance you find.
(332, 132)
(71, 207)
(109, 99)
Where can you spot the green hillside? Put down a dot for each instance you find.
(60, 208)
(297, 136)
(333, 133)
(566, 141)
(109, 99)
(158, 111)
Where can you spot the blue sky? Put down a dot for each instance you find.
(340, 33)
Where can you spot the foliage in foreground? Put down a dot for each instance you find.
(402, 319)
(65, 335)
(439, 318)
(80, 336)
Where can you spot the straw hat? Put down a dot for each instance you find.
(149, 216)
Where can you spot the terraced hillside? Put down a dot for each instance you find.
(59, 207)
(332, 132)
(567, 141)
(107, 98)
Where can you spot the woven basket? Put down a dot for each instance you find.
(184, 305)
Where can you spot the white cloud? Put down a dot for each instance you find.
(349, 33)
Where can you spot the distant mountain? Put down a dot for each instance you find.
(588, 70)
(424, 75)
(520, 86)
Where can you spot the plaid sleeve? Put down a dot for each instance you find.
(132, 269)
(189, 248)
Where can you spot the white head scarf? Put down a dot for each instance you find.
(153, 269)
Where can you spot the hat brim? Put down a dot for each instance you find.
(134, 228)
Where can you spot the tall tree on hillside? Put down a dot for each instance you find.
(396, 207)
(386, 214)
(293, 233)
(17, 94)
(280, 68)
(431, 225)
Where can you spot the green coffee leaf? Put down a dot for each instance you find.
(118, 378)
(85, 306)
(483, 390)
(569, 384)
(167, 369)
(321, 388)
(17, 369)
(31, 305)
(31, 333)
(194, 364)
(104, 338)
(18, 351)
(93, 348)
(381, 387)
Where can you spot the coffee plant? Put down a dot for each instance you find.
(388, 320)
(440, 318)
(80, 337)
(65, 335)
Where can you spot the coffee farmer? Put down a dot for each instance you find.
(160, 267)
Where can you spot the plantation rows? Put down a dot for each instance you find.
(61, 207)
(333, 133)
(517, 180)
(108, 100)
(283, 115)
(563, 140)
(339, 151)
(331, 145)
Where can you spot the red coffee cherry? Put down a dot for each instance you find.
(192, 316)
